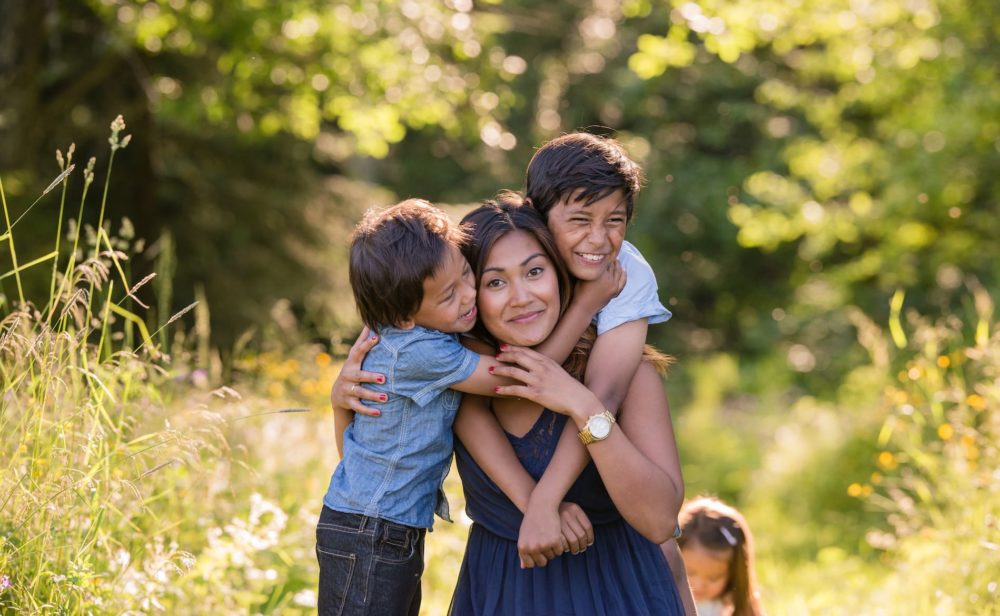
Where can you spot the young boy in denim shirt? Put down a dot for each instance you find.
(414, 289)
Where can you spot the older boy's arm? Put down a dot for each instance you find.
(479, 431)
(612, 364)
(588, 298)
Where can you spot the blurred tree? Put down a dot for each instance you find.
(239, 109)
(888, 143)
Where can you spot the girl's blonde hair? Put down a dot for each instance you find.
(718, 527)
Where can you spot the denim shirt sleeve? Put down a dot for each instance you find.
(430, 363)
(638, 300)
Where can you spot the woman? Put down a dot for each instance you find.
(629, 495)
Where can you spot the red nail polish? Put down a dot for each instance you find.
(504, 347)
(496, 390)
(491, 368)
(383, 397)
(374, 338)
(380, 380)
(378, 413)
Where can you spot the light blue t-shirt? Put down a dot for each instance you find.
(638, 300)
(394, 465)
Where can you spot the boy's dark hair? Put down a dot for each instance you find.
(392, 252)
(593, 165)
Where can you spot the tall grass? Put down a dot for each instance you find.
(127, 484)
(114, 467)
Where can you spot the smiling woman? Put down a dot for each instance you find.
(609, 561)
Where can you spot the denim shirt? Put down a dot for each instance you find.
(638, 300)
(394, 465)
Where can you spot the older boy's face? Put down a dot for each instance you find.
(449, 303)
(589, 236)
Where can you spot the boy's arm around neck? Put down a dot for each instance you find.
(612, 364)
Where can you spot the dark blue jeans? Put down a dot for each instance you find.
(368, 566)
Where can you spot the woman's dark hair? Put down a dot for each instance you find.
(717, 527)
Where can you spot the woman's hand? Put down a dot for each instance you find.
(546, 383)
(595, 294)
(346, 393)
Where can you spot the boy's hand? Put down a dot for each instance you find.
(595, 294)
(576, 527)
(346, 392)
(540, 538)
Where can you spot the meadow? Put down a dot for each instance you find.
(138, 475)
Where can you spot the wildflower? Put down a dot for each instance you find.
(943, 361)
(854, 490)
(886, 460)
(945, 432)
(5, 582)
(976, 401)
(323, 360)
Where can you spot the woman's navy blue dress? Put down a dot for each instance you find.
(622, 573)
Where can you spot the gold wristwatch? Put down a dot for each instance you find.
(598, 428)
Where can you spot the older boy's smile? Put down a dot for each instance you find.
(589, 235)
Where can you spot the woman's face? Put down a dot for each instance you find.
(518, 291)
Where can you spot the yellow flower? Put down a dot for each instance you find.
(887, 461)
(876, 477)
(854, 490)
(968, 441)
(945, 432)
(866, 490)
(943, 361)
(323, 360)
(976, 401)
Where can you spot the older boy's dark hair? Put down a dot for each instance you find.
(593, 165)
(392, 252)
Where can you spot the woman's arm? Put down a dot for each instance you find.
(638, 461)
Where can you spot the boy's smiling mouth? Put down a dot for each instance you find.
(591, 257)
(468, 316)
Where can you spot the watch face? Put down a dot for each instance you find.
(599, 426)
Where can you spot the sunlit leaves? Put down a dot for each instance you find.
(289, 66)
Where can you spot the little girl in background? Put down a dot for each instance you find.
(718, 554)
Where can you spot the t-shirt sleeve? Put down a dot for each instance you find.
(430, 364)
(639, 298)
